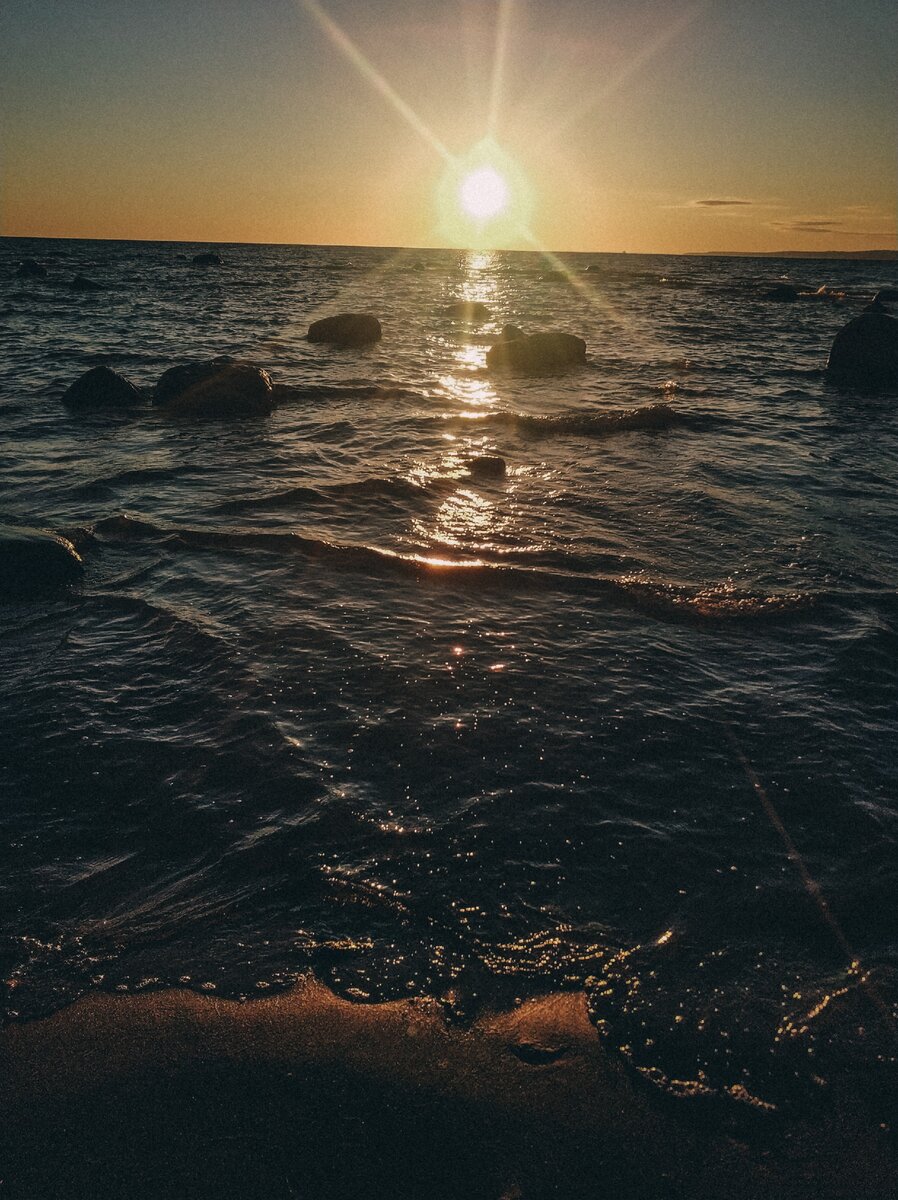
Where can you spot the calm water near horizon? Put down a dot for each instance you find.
(327, 701)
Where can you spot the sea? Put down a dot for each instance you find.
(336, 698)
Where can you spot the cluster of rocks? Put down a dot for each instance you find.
(30, 268)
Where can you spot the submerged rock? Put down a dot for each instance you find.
(535, 352)
(101, 387)
(209, 259)
(346, 329)
(468, 310)
(784, 293)
(82, 284)
(35, 560)
(30, 268)
(865, 351)
(223, 387)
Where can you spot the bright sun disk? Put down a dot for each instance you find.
(483, 193)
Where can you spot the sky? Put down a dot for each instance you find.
(669, 126)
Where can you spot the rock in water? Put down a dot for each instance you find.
(865, 351)
(82, 284)
(487, 466)
(101, 387)
(784, 293)
(29, 268)
(34, 560)
(468, 310)
(346, 329)
(223, 387)
(209, 259)
(535, 352)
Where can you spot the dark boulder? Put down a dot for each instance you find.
(29, 268)
(101, 387)
(34, 561)
(223, 387)
(346, 329)
(535, 352)
(468, 310)
(865, 351)
(208, 259)
(783, 293)
(487, 466)
(82, 284)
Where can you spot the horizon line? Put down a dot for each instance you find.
(854, 252)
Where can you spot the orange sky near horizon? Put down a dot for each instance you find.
(645, 127)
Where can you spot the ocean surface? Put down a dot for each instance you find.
(328, 701)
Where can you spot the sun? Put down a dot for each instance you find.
(483, 194)
(484, 201)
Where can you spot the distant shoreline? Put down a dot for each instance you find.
(861, 255)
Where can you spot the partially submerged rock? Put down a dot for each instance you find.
(81, 283)
(208, 259)
(35, 560)
(30, 268)
(865, 351)
(488, 466)
(346, 329)
(535, 352)
(783, 293)
(223, 387)
(886, 295)
(101, 387)
(468, 310)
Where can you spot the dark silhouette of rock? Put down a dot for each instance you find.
(346, 329)
(784, 293)
(535, 352)
(487, 466)
(209, 259)
(101, 387)
(865, 351)
(509, 332)
(34, 560)
(82, 284)
(468, 310)
(223, 387)
(30, 268)
(886, 295)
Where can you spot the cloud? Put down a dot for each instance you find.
(719, 203)
(825, 225)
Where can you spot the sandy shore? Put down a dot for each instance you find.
(304, 1094)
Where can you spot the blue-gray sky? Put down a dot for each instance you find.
(668, 126)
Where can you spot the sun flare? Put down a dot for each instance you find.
(483, 194)
(483, 200)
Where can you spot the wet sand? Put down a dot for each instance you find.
(304, 1094)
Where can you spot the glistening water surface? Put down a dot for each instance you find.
(328, 700)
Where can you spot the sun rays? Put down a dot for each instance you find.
(484, 200)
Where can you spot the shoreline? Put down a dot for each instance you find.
(178, 1094)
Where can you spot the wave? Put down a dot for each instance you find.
(373, 488)
(284, 393)
(105, 483)
(656, 416)
(720, 602)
